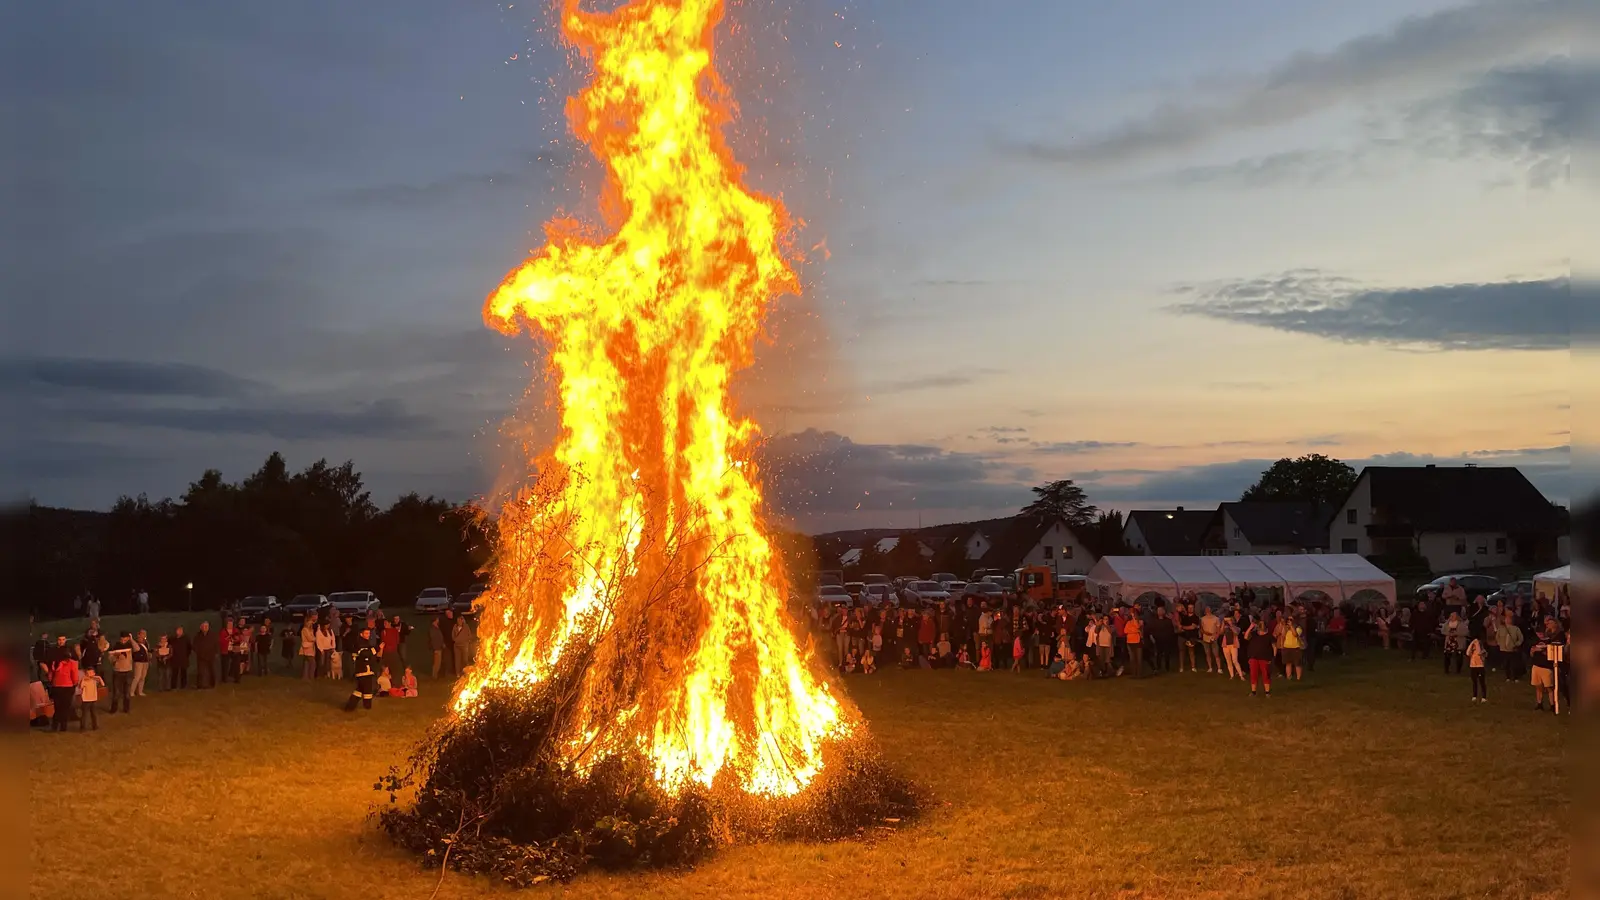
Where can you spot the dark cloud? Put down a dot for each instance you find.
(117, 376)
(932, 382)
(1527, 116)
(1512, 315)
(387, 418)
(1418, 50)
(1075, 447)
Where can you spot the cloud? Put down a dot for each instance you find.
(932, 382)
(387, 418)
(1417, 51)
(1528, 116)
(1075, 447)
(427, 196)
(1512, 315)
(125, 377)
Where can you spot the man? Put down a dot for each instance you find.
(365, 666)
(461, 638)
(91, 646)
(144, 601)
(1188, 636)
(1454, 597)
(261, 648)
(436, 642)
(1424, 622)
(141, 661)
(181, 648)
(1544, 672)
(93, 607)
(226, 642)
(122, 672)
(205, 657)
(405, 630)
(390, 646)
(1210, 632)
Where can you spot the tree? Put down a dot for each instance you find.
(906, 557)
(1064, 500)
(1106, 536)
(1312, 478)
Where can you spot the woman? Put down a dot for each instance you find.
(1230, 648)
(308, 649)
(1510, 639)
(1380, 621)
(926, 633)
(1260, 648)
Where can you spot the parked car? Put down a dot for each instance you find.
(302, 604)
(856, 589)
(257, 607)
(942, 577)
(433, 600)
(466, 602)
(880, 594)
(877, 579)
(983, 592)
(355, 603)
(1513, 592)
(922, 593)
(834, 593)
(1473, 584)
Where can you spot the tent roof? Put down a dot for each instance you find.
(1195, 573)
(1355, 573)
(1301, 573)
(1130, 576)
(1562, 574)
(1243, 570)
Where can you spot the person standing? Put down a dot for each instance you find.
(1230, 649)
(1291, 637)
(327, 644)
(1259, 649)
(1455, 642)
(1424, 622)
(1510, 639)
(1454, 597)
(389, 644)
(91, 647)
(182, 647)
(1210, 633)
(89, 685)
(63, 681)
(1133, 633)
(93, 607)
(121, 672)
(1477, 665)
(261, 648)
(308, 649)
(405, 628)
(366, 672)
(144, 601)
(461, 637)
(225, 649)
(1188, 637)
(436, 644)
(141, 661)
(205, 657)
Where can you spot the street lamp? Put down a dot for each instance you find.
(190, 588)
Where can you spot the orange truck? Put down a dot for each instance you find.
(1039, 583)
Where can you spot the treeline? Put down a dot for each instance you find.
(274, 532)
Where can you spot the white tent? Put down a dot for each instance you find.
(1127, 577)
(1302, 574)
(1356, 574)
(1195, 573)
(1247, 570)
(1550, 583)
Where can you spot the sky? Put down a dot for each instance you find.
(1150, 246)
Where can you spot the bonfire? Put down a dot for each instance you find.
(639, 696)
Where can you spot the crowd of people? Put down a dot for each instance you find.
(69, 672)
(1244, 637)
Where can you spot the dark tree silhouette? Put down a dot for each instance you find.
(1314, 478)
(1062, 499)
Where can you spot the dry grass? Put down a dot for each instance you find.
(1374, 779)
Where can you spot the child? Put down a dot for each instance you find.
(1016, 654)
(877, 639)
(336, 665)
(1477, 659)
(869, 663)
(850, 662)
(163, 662)
(409, 683)
(986, 659)
(384, 684)
(946, 658)
(1070, 669)
(89, 693)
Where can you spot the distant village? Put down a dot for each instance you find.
(1405, 519)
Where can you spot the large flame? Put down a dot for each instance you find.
(649, 552)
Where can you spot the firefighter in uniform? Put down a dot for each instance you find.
(366, 668)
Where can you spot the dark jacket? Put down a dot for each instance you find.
(366, 662)
(205, 645)
(182, 646)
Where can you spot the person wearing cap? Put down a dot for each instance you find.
(366, 672)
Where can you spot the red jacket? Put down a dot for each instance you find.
(391, 639)
(64, 673)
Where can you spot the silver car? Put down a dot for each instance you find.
(922, 593)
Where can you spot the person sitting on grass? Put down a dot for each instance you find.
(963, 659)
(986, 659)
(869, 662)
(907, 659)
(408, 684)
(385, 684)
(946, 654)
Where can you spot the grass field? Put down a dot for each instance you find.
(1374, 778)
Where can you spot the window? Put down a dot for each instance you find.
(1461, 546)
(1483, 546)
(1500, 545)
(1348, 545)
(1236, 532)
(1066, 552)
(1350, 515)
(1049, 552)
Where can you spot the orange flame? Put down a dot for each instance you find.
(651, 551)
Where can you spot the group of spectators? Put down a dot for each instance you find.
(1242, 637)
(71, 672)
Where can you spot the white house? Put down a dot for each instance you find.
(1456, 517)
(1267, 528)
(1009, 544)
(1166, 532)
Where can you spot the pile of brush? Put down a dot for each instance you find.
(488, 793)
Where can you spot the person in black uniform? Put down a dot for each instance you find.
(366, 672)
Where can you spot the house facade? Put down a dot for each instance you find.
(1166, 532)
(1267, 528)
(1457, 518)
(1008, 544)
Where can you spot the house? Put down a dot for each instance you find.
(1166, 532)
(1034, 541)
(1455, 517)
(1267, 528)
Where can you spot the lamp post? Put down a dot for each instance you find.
(190, 589)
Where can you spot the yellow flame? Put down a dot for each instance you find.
(644, 328)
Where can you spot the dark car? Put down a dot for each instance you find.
(983, 592)
(1474, 585)
(1513, 592)
(464, 602)
(302, 604)
(257, 607)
